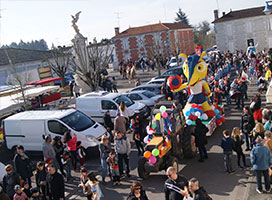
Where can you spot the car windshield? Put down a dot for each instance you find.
(149, 94)
(168, 72)
(123, 98)
(78, 121)
(174, 60)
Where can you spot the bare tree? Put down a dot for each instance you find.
(61, 63)
(203, 35)
(98, 59)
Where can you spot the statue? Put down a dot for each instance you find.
(74, 21)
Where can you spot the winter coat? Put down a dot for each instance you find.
(238, 144)
(122, 146)
(200, 135)
(107, 121)
(48, 151)
(55, 185)
(171, 187)
(9, 182)
(104, 150)
(22, 166)
(120, 124)
(247, 123)
(71, 144)
(40, 176)
(143, 196)
(22, 196)
(227, 144)
(4, 196)
(260, 157)
(58, 148)
(201, 194)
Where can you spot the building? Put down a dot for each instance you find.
(141, 42)
(237, 29)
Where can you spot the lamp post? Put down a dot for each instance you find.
(267, 9)
(166, 45)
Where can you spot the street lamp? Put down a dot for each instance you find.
(166, 45)
(267, 9)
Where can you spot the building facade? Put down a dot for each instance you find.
(237, 29)
(143, 42)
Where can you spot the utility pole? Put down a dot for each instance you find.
(118, 18)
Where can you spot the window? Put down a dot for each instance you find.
(149, 94)
(56, 127)
(108, 105)
(123, 98)
(135, 97)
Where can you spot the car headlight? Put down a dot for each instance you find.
(91, 138)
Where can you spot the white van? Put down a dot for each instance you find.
(173, 61)
(27, 128)
(95, 104)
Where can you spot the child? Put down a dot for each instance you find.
(83, 180)
(66, 164)
(19, 194)
(35, 194)
(227, 145)
(94, 184)
(80, 153)
(40, 176)
(238, 146)
(113, 163)
(136, 136)
(26, 189)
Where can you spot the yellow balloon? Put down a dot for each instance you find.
(158, 116)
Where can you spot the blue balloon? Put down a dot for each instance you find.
(216, 78)
(187, 113)
(200, 117)
(196, 109)
(201, 111)
(189, 122)
(216, 111)
(218, 117)
(191, 109)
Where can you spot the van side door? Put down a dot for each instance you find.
(109, 105)
(55, 128)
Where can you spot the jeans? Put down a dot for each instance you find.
(247, 140)
(227, 161)
(74, 159)
(67, 169)
(104, 167)
(123, 158)
(259, 179)
(239, 155)
(202, 152)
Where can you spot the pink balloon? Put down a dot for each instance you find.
(152, 160)
(164, 114)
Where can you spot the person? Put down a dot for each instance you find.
(122, 148)
(35, 194)
(137, 192)
(255, 106)
(83, 183)
(137, 82)
(71, 145)
(19, 194)
(238, 146)
(114, 169)
(48, 150)
(80, 153)
(66, 162)
(104, 149)
(267, 122)
(10, 180)
(26, 189)
(176, 186)
(71, 86)
(268, 140)
(123, 110)
(114, 85)
(55, 184)
(201, 139)
(40, 177)
(136, 136)
(258, 130)
(198, 192)
(59, 149)
(227, 145)
(120, 123)
(108, 123)
(94, 184)
(260, 158)
(3, 195)
(22, 165)
(76, 90)
(247, 124)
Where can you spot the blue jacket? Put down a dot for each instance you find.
(227, 144)
(260, 157)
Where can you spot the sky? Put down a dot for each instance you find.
(51, 19)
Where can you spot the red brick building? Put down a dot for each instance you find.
(167, 38)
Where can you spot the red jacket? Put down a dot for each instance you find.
(71, 144)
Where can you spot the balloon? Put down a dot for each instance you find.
(152, 160)
(147, 154)
(153, 126)
(155, 152)
(216, 111)
(146, 139)
(164, 115)
(191, 109)
(212, 107)
(162, 109)
(189, 122)
(198, 114)
(200, 117)
(201, 112)
(218, 117)
(150, 132)
(158, 116)
(187, 113)
(204, 116)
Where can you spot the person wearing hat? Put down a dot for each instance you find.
(10, 180)
(19, 194)
(35, 194)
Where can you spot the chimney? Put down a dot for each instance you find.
(223, 13)
(215, 12)
(116, 30)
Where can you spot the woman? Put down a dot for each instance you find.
(247, 124)
(40, 177)
(123, 110)
(137, 192)
(71, 145)
(59, 149)
(258, 131)
(256, 108)
(94, 184)
(238, 146)
(104, 149)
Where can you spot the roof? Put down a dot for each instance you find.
(152, 28)
(42, 114)
(240, 14)
(22, 55)
(99, 94)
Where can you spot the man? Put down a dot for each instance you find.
(55, 184)
(108, 123)
(261, 160)
(176, 186)
(10, 180)
(198, 193)
(22, 165)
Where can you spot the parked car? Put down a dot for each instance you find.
(159, 81)
(146, 97)
(155, 88)
(28, 128)
(95, 104)
(170, 72)
(173, 62)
